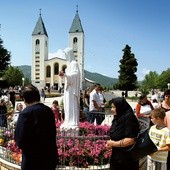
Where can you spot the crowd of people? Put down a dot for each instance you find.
(123, 131)
(125, 127)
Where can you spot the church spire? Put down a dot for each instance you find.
(40, 27)
(77, 8)
(76, 24)
(40, 11)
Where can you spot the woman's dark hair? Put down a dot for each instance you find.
(142, 97)
(167, 92)
(55, 102)
(31, 94)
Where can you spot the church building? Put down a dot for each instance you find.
(45, 66)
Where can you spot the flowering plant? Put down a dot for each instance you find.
(86, 149)
(7, 141)
(5, 135)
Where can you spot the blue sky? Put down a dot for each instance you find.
(108, 25)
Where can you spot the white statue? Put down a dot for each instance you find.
(71, 93)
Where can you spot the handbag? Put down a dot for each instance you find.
(142, 147)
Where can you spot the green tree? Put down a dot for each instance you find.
(13, 76)
(164, 79)
(5, 58)
(150, 81)
(128, 67)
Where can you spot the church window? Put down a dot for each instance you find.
(75, 44)
(37, 42)
(48, 71)
(56, 68)
(75, 40)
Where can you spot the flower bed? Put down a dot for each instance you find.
(87, 149)
(8, 149)
(84, 151)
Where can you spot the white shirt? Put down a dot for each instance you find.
(94, 96)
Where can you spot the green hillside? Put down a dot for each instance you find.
(98, 78)
(26, 71)
(101, 79)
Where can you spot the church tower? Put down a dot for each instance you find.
(76, 41)
(45, 71)
(39, 53)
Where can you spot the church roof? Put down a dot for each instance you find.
(40, 28)
(76, 24)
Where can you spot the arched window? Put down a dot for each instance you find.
(48, 71)
(75, 40)
(56, 68)
(37, 42)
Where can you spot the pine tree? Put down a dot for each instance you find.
(5, 58)
(128, 67)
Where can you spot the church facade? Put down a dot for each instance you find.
(45, 68)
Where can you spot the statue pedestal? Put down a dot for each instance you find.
(69, 130)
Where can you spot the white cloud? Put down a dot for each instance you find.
(58, 54)
(143, 73)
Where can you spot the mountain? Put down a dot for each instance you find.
(101, 79)
(98, 78)
(26, 71)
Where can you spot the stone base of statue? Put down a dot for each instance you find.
(69, 130)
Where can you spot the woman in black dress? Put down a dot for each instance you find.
(123, 132)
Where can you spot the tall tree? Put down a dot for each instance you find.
(5, 58)
(128, 68)
(13, 75)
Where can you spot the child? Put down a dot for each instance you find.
(160, 135)
(15, 116)
(55, 110)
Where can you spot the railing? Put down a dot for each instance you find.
(85, 152)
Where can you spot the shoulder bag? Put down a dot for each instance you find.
(142, 147)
